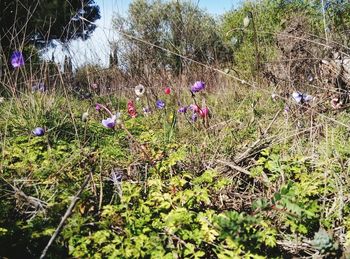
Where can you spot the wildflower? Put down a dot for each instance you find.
(94, 86)
(116, 177)
(40, 87)
(38, 132)
(167, 90)
(146, 111)
(336, 103)
(204, 112)
(246, 21)
(194, 107)
(297, 96)
(131, 109)
(194, 117)
(308, 98)
(85, 116)
(286, 109)
(182, 110)
(2, 99)
(139, 90)
(197, 86)
(301, 98)
(160, 104)
(17, 59)
(274, 97)
(109, 122)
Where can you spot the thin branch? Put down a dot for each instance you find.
(66, 215)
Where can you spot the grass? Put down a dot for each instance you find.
(284, 175)
(250, 181)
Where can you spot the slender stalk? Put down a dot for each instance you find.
(66, 215)
(324, 21)
(105, 108)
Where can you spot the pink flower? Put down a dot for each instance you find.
(131, 109)
(204, 112)
(194, 107)
(97, 107)
(336, 103)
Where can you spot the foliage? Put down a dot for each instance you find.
(255, 45)
(248, 181)
(178, 26)
(39, 21)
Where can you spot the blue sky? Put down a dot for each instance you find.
(215, 7)
(96, 49)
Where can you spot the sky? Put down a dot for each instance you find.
(96, 49)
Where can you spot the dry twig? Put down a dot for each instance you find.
(66, 215)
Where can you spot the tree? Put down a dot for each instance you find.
(41, 21)
(180, 27)
(299, 22)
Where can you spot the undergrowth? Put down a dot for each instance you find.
(188, 201)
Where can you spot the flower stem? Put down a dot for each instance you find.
(105, 108)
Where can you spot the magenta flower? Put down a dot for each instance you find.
(204, 112)
(17, 59)
(198, 86)
(38, 132)
(98, 107)
(160, 104)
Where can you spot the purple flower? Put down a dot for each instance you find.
(146, 111)
(109, 122)
(194, 117)
(301, 98)
(38, 132)
(194, 107)
(198, 86)
(286, 109)
(116, 177)
(17, 59)
(98, 107)
(160, 104)
(182, 110)
(40, 87)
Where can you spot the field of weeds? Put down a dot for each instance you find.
(247, 158)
